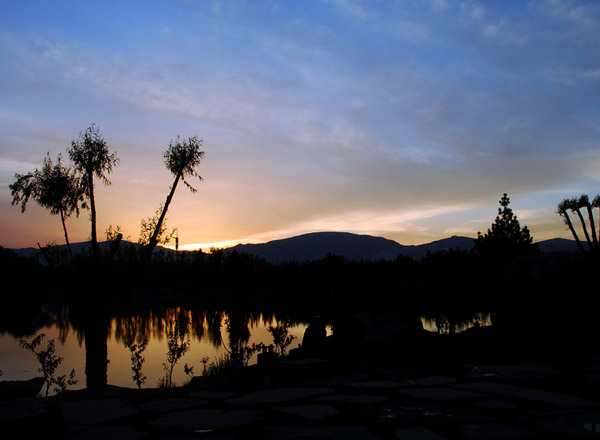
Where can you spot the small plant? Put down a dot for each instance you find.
(281, 339)
(178, 346)
(137, 360)
(49, 362)
(189, 371)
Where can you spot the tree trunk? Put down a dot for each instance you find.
(62, 219)
(154, 239)
(585, 231)
(592, 226)
(90, 176)
(572, 229)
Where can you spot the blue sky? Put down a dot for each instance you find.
(404, 119)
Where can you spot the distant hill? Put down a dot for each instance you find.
(317, 245)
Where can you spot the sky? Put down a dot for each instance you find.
(401, 119)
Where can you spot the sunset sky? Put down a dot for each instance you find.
(401, 119)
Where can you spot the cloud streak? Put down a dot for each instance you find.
(341, 115)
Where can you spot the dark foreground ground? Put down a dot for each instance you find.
(397, 383)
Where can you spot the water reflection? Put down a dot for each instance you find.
(163, 345)
(446, 324)
(145, 347)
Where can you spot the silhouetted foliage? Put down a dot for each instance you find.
(91, 158)
(281, 338)
(49, 362)
(575, 205)
(150, 224)
(181, 159)
(54, 187)
(179, 344)
(137, 361)
(505, 239)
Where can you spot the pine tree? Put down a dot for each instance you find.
(505, 239)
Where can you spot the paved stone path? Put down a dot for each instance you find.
(315, 400)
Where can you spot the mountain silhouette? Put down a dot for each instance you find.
(317, 245)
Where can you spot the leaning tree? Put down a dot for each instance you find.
(181, 159)
(91, 158)
(54, 187)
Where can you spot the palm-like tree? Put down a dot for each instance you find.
(54, 187)
(181, 159)
(563, 209)
(91, 158)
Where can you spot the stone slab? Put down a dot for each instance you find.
(377, 384)
(95, 412)
(214, 395)
(529, 394)
(168, 405)
(441, 394)
(194, 419)
(417, 433)
(109, 432)
(313, 412)
(432, 381)
(303, 432)
(279, 395)
(496, 431)
(355, 399)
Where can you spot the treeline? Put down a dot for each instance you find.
(446, 278)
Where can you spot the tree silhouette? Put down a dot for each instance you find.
(506, 238)
(575, 205)
(54, 187)
(181, 159)
(91, 158)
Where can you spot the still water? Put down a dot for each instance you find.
(87, 339)
(210, 336)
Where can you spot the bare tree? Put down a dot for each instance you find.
(181, 159)
(54, 187)
(91, 158)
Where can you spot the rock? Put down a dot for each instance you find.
(441, 394)
(417, 433)
(279, 395)
(13, 389)
(204, 419)
(313, 412)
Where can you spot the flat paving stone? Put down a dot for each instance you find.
(358, 399)
(205, 419)
(169, 405)
(495, 404)
(279, 395)
(440, 394)
(529, 394)
(313, 412)
(95, 412)
(496, 431)
(109, 432)
(377, 384)
(515, 372)
(214, 395)
(417, 433)
(432, 381)
(299, 432)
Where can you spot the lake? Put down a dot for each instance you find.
(86, 338)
